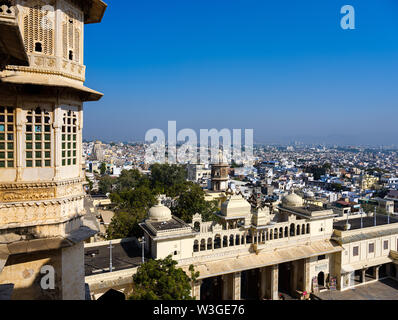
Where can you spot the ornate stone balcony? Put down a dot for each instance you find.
(14, 51)
(51, 65)
(7, 13)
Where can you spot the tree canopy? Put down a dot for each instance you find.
(134, 193)
(161, 280)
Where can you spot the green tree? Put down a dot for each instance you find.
(190, 201)
(124, 225)
(130, 179)
(103, 168)
(141, 198)
(161, 280)
(165, 176)
(369, 207)
(90, 185)
(105, 184)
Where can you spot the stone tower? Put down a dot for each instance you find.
(41, 170)
(219, 175)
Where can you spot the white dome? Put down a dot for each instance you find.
(159, 213)
(292, 200)
(309, 194)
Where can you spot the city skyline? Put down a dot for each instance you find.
(286, 70)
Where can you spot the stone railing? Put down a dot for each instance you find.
(7, 12)
(51, 65)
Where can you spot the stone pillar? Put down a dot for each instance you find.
(263, 283)
(363, 275)
(57, 145)
(274, 282)
(307, 276)
(228, 286)
(294, 276)
(376, 270)
(196, 289)
(236, 286)
(19, 140)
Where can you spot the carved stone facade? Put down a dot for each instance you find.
(41, 171)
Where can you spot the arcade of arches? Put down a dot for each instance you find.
(254, 284)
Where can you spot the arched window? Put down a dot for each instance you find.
(196, 226)
(237, 240)
(196, 246)
(225, 242)
(303, 229)
(286, 232)
(292, 229)
(276, 234)
(271, 235)
(308, 228)
(203, 245)
(280, 233)
(38, 47)
(209, 243)
(266, 235)
(217, 242)
(231, 240)
(298, 231)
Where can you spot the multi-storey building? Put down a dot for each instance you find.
(256, 252)
(41, 121)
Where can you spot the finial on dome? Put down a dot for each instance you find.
(159, 212)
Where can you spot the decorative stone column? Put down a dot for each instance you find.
(376, 270)
(19, 140)
(236, 286)
(363, 275)
(274, 282)
(196, 289)
(263, 283)
(307, 276)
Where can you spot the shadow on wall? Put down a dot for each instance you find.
(25, 270)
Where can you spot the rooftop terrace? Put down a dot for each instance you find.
(367, 222)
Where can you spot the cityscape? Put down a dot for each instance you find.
(101, 208)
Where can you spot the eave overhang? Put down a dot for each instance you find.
(12, 49)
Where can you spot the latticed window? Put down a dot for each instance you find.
(7, 137)
(69, 139)
(39, 29)
(38, 139)
(71, 38)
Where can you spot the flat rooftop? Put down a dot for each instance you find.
(168, 225)
(367, 222)
(125, 255)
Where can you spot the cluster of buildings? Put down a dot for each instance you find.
(262, 247)
(282, 227)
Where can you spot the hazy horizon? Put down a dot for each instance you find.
(285, 69)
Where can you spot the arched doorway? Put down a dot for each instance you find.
(321, 279)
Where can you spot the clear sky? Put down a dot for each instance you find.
(284, 68)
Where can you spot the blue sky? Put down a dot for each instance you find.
(283, 68)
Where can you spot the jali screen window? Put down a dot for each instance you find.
(69, 139)
(38, 139)
(7, 137)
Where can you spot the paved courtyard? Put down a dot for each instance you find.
(386, 289)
